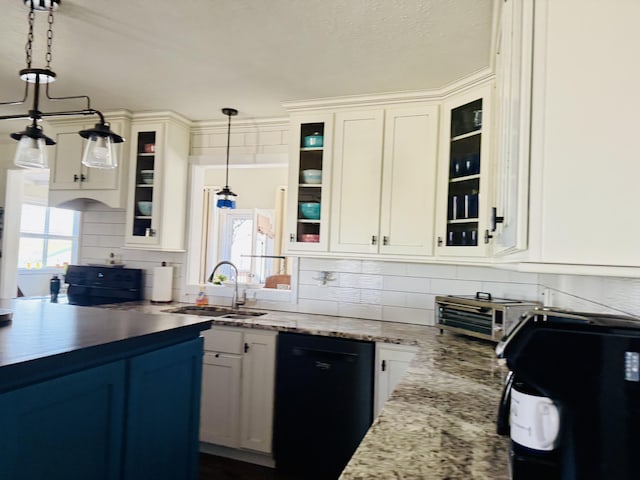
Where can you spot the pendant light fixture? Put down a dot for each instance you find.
(226, 198)
(31, 152)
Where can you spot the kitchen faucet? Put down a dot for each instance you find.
(235, 302)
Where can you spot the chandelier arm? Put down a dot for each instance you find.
(74, 97)
(89, 111)
(19, 102)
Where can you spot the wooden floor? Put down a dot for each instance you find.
(219, 468)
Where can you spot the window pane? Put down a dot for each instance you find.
(61, 221)
(242, 230)
(30, 252)
(32, 220)
(59, 252)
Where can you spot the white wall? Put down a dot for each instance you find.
(256, 187)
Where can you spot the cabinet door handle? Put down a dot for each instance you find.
(75, 177)
(217, 355)
(374, 239)
(384, 365)
(439, 241)
(487, 236)
(385, 240)
(292, 237)
(246, 347)
(495, 219)
(150, 232)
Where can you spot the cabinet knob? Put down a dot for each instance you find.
(374, 240)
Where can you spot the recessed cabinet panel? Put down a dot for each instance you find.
(355, 214)
(409, 181)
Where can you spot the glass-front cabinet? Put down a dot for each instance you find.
(310, 174)
(144, 172)
(157, 182)
(463, 211)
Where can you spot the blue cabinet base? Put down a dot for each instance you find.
(133, 418)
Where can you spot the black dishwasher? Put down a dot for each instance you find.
(323, 404)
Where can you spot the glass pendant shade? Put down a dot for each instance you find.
(99, 153)
(31, 151)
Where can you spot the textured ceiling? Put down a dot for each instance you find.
(196, 56)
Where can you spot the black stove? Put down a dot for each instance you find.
(97, 285)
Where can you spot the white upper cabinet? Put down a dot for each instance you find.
(156, 216)
(463, 188)
(584, 149)
(384, 178)
(357, 175)
(309, 183)
(409, 180)
(69, 179)
(513, 60)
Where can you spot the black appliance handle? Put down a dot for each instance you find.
(504, 408)
(326, 355)
(483, 296)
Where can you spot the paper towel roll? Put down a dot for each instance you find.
(162, 284)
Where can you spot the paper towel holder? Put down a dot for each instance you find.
(162, 288)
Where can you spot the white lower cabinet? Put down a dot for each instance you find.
(392, 362)
(220, 402)
(238, 379)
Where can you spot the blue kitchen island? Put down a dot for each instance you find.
(90, 393)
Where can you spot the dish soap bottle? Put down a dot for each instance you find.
(202, 298)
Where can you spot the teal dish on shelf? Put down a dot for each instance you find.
(313, 141)
(310, 210)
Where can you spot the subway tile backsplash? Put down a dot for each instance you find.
(389, 291)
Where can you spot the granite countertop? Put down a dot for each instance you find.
(439, 422)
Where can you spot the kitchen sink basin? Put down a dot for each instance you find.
(212, 311)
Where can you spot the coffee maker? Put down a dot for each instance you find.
(571, 402)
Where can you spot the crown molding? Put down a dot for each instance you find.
(466, 83)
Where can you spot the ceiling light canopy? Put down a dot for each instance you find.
(226, 198)
(31, 152)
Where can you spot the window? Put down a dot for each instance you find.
(246, 238)
(48, 236)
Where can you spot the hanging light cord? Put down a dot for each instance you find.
(226, 184)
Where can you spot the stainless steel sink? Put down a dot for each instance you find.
(213, 311)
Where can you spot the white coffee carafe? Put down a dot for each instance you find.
(534, 421)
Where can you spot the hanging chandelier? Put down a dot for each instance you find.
(31, 151)
(226, 198)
